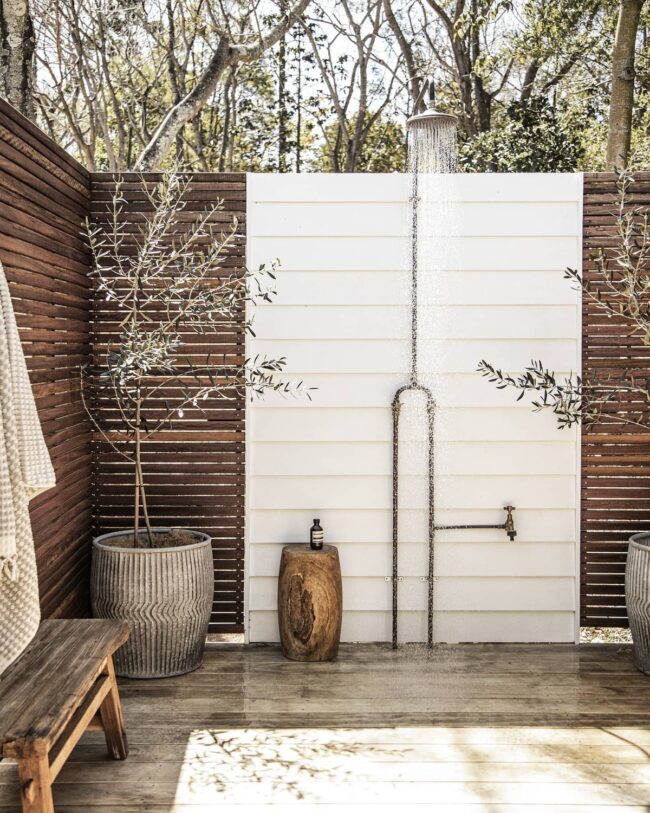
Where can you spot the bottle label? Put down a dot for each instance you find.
(317, 538)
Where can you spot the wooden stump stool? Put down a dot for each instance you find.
(310, 603)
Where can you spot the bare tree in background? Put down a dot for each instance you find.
(108, 63)
(407, 48)
(17, 55)
(489, 51)
(347, 44)
(459, 51)
(100, 86)
(237, 85)
(228, 52)
(622, 89)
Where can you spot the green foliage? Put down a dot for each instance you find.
(563, 397)
(530, 139)
(384, 149)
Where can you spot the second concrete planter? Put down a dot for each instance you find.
(637, 598)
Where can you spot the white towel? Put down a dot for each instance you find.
(25, 470)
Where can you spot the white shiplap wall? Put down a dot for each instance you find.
(341, 320)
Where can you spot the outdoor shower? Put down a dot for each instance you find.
(431, 148)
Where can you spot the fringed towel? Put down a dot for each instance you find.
(25, 471)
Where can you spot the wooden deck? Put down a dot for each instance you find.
(464, 728)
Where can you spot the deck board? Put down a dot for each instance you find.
(464, 728)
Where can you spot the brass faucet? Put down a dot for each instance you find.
(509, 524)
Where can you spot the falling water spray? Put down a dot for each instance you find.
(432, 154)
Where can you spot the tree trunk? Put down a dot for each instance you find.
(622, 92)
(174, 79)
(298, 97)
(140, 493)
(282, 105)
(464, 78)
(406, 48)
(225, 133)
(17, 55)
(183, 111)
(230, 147)
(483, 100)
(136, 493)
(529, 80)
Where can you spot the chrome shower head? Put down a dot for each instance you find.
(430, 115)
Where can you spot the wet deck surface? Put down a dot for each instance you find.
(463, 728)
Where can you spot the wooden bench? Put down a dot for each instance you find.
(62, 685)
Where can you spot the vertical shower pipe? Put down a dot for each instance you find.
(430, 117)
(413, 386)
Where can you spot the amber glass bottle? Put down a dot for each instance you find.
(316, 536)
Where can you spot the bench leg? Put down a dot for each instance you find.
(110, 712)
(35, 785)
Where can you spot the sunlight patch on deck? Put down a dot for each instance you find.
(431, 765)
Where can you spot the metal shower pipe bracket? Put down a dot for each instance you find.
(428, 87)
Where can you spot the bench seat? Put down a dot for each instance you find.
(63, 684)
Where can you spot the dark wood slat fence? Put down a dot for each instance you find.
(44, 198)
(194, 472)
(615, 500)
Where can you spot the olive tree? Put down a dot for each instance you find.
(167, 282)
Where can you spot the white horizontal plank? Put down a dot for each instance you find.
(327, 425)
(354, 526)
(386, 218)
(377, 390)
(391, 253)
(452, 558)
(286, 323)
(449, 627)
(372, 459)
(339, 356)
(323, 186)
(392, 287)
(392, 356)
(344, 390)
(323, 493)
(370, 187)
(335, 425)
(305, 322)
(450, 594)
(499, 424)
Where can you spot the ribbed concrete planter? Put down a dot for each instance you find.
(165, 594)
(637, 597)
